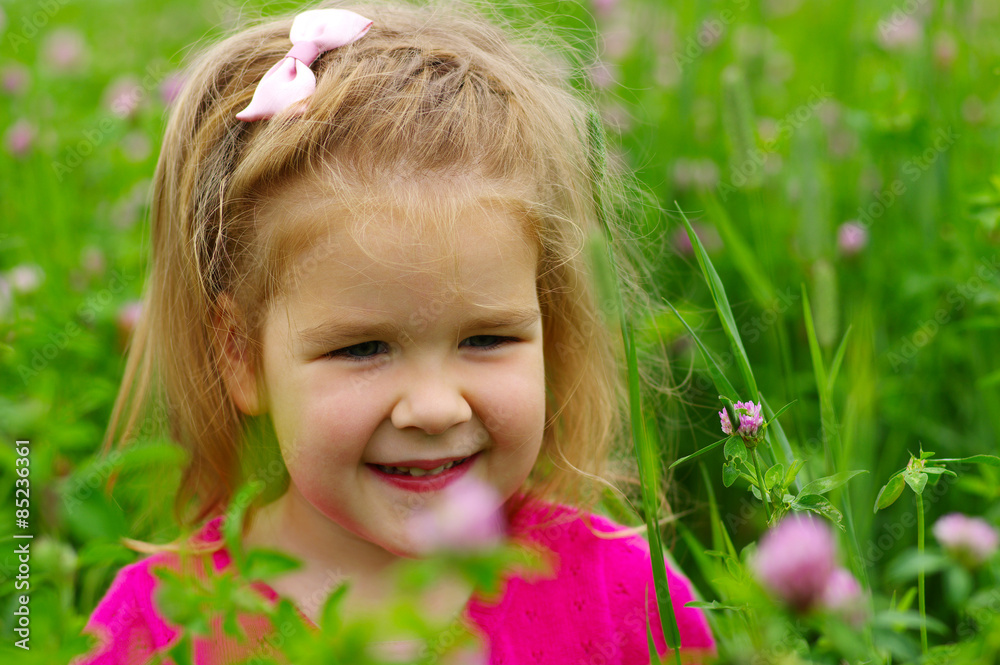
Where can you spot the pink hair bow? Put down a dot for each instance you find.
(290, 80)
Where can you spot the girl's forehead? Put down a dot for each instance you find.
(421, 220)
(418, 233)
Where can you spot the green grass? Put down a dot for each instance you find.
(827, 123)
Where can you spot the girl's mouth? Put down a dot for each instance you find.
(420, 480)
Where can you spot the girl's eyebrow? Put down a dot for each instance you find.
(339, 328)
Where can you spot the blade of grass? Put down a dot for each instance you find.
(647, 458)
(838, 358)
(743, 256)
(720, 536)
(649, 478)
(782, 453)
(718, 378)
(704, 450)
(830, 428)
(718, 292)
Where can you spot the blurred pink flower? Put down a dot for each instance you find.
(605, 7)
(5, 298)
(19, 138)
(136, 146)
(945, 50)
(171, 87)
(602, 75)
(843, 596)
(706, 234)
(709, 33)
(124, 95)
(14, 79)
(852, 237)
(26, 278)
(93, 261)
(971, 540)
(65, 50)
(973, 110)
(795, 560)
(617, 41)
(899, 31)
(127, 320)
(696, 174)
(464, 517)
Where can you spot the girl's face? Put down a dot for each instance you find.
(431, 351)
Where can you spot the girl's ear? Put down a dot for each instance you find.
(230, 342)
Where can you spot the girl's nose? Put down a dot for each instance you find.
(433, 403)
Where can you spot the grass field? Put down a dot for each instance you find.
(845, 152)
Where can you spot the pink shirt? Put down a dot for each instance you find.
(590, 611)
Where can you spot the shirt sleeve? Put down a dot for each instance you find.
(121, 621)
(634, 600)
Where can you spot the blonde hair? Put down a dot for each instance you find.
(429, 89)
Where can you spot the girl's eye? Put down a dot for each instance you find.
(366, 351)
(361, 348)
(496, 340)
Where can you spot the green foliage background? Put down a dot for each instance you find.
(770, 123)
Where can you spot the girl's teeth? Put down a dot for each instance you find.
(420, 472)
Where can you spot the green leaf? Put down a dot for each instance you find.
(908, 564)
(232, 626)
(181, 652)
(735, 449)
(924, 454)
(911, 620)
(889, 493)
(917, 481)
(819, 505)
(824, 485)
(989, 460)
(714, 605)
(793, 471)
(774, 476)
(330, 617)
(232, 526)
(780, 411)
(711, 446)
(958, 585)
(264, 564)
(729, 474)
(938, 470)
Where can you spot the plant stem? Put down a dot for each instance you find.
(764, 496)
(920, 572)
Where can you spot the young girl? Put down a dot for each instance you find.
(369, 226)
